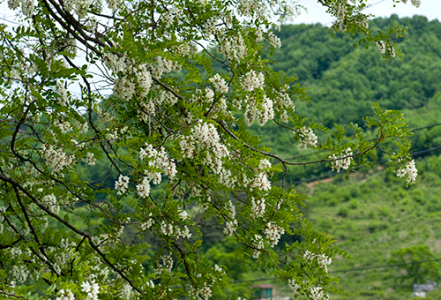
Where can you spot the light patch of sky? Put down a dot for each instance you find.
(316, 13)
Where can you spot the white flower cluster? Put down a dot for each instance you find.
(230, 227)
(322, 259)
(232, 223)
(14, 4)
(92, 290)
(284, 102)
(167, 264)
(252, 81)
(233, 48)
(293, 285)
(409, 171)
(264, 113)
(66, 295)
(166, 228)
(65, 126)
(339, 10)
(204, 136)
(91, 25)
(219, 84)
(147, 224)
(274, 40)
(267, 112)
(257, 244)
(164, 65)
(415, 3)
(125, 87)
(249, 7)
(217, 268)
(126, 292)
(21, 273)
(113, 5)
(364, 23)
(167, 98)
(27, 8)
(343, 161)
(57, 159)
(261, 182)
(51, 202)
(257, 208)
(62, 91)
(273, 233)
(122, 184)
(114, 62)
(264, 164)
(158, 159)
(144, 80)
(391, 51)
(203, 292)
(316, 293)
(381, 46)
(171, 16)
(306, 136)
(227, 179)
(82, 6)
(90, 159)
(184, 233)
(143, 188)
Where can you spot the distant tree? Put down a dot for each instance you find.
(174, 133)
(418, 264)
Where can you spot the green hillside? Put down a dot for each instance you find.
(372, 215)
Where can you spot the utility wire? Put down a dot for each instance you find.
(413, 130)
(332, 174)
(351, 270)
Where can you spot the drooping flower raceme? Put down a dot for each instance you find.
(258, 243)
(219, 84)
(122, 184)
(157, 159)
(316, 293)
(306, 136)
(267, 112)
(252, 81)
(293, 285)
(381, 46)
(143, 188)
(409, 171)
(261, 182)
(322, 259)
(233, 48)
(57, 159)
(66, 295)
(92, 290)
(273, 232)
(257, 208)
(343, 161)
(205, 141)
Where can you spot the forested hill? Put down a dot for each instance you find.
(352, 77)
(344, 81)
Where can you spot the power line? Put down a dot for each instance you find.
(350, 270)
(332, 174)
(386, 266)
(413, 130)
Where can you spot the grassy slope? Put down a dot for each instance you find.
(371, 216)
